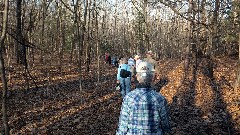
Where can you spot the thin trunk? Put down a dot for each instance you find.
(2, 69)
(237, 83)
(61, 38)
(88, 45)
(145, 38)
(188, 51)
(215, 37)
(42, 31)
(72, 47)
(75, 16)
(97, 42)
(81, 44)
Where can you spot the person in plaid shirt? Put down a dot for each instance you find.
(144, 111)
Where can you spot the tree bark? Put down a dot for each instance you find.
(42, 31)
(97, 41)
(2, 69)
(215, 40)
(237, 83)
(81, 44)
(188, 51)
(61, 37)
(21, 48)
(88, 44)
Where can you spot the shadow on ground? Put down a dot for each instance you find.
(189, 119)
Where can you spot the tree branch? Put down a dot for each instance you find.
(181, 15)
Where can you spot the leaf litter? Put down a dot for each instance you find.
(201, 106)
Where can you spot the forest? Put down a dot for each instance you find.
(54, 79)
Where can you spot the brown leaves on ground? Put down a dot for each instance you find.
(198, 104)
(202, 105)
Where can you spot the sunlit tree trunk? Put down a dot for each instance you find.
(237, 83)
(188, 51)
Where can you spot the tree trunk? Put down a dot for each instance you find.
(81, 44)
(61, 38)
(188, 51)
(21, 49)
(237, 83)
(215, 40)
(42, 60)
(72, 47)
(97, 41)
(88, 44)
(2, 69)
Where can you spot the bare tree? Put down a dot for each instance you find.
(2, 69)
(237, 83)
(21, 48)
(190, 36)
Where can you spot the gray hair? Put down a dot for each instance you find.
(145, 78)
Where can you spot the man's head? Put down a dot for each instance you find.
(137, 57)
(124, 60)
(150, 53)
(145, 72)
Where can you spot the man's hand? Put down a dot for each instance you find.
(118, 81)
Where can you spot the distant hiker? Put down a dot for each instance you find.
(120, 60)
(138, 60)
(144, 111)
(109, 59)
(115, 62)
(131, 63)
(106, 58)
(149, 58)
(124, 77)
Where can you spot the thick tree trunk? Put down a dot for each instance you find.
(21, 48)
(2, 69)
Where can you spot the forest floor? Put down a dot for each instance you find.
(199, 105)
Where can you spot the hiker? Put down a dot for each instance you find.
(131, 63)
(120, 61)
(124, 77)
(149, 58)
(144, 111)
(115, 62)
(106, 57)
(138, 60)
(109, 59)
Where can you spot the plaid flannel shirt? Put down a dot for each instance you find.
(143, 112)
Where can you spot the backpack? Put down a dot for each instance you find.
(124, 73)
